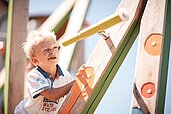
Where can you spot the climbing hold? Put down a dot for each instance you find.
(153, 44)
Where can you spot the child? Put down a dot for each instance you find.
(47, 82)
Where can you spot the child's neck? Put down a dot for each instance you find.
(51, 71)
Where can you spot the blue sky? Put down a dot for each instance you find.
(117, 99)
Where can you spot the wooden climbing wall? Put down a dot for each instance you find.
(147, 72)
(104, 61)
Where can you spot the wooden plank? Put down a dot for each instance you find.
(15, 57)
(54, 21)
(102, 63)
(148, 58)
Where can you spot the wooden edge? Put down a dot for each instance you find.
(161, 92)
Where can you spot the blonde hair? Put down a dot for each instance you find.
(33, 39)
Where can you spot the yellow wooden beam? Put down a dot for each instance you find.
(122, 15)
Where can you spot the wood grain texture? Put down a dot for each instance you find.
(164, 64)
(15, 63)
(74, 26)
(127, 35)
(104, 59)
(147, 66)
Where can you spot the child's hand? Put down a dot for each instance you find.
(80, 70)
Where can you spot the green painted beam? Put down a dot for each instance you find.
(7, 59)
(62, 22)
(164, 60)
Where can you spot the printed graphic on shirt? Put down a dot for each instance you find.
(48, 105)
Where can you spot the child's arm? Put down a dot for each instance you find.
(56, 93)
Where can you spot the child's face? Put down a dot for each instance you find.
(47, 53)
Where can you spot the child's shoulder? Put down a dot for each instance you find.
(34, 73)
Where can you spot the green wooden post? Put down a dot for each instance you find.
(15, 57)
(7, 60)
(164, 60)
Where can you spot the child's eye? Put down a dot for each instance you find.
(57, 47)
(46, 50)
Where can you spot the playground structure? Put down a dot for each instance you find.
(145, 18)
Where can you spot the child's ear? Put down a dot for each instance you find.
(34, 60)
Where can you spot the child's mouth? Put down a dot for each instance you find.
(51, 58)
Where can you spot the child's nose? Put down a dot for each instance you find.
(52, 51)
